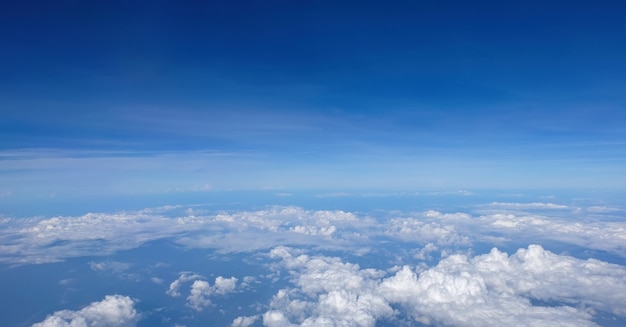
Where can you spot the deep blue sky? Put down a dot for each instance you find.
(153, 96)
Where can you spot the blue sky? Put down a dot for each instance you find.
(155, 96)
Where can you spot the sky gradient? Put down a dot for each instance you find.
(154, 96)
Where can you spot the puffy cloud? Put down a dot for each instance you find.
(416, 230)
(225, 285)
(244, 321)
(328, 290)
(493, 289)
(184, 277)
(199, 295)
(200, 289)
(112, 311)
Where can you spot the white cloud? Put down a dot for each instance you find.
(328, 290)
(199, 295)
(244, 321)
(200, 290)
(461, 290)
(112, 311)
(275, 318)
(598, 235)
(416, 230)
(37, 240)
(225, 285)
(493, 289)
(184, 277)
(532, 205)
(110, 266)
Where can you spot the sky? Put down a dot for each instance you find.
(144, 97)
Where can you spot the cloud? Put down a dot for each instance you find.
(532, 287)
(327, 290)
(495, 289)
(43, 240)
(111, 266)
(184, 277)
(36, 240)
(598, 235)
(412, 229)
(200, 290)
(112, 311)
(492, 289)
(199, 295)
(533, 205)
(244, 321)
(225, 285)
(332, 195)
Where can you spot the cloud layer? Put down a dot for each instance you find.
(531, 287)
(41, 240)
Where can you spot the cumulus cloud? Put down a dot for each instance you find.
(200, 290)
(225, 285)
(412, 229)
(327, 290)
(199, 295)
(244, 321)
(184, 277)
(493, 289)
(112, 311)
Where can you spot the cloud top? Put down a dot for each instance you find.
(493, 289)
(112, 311)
